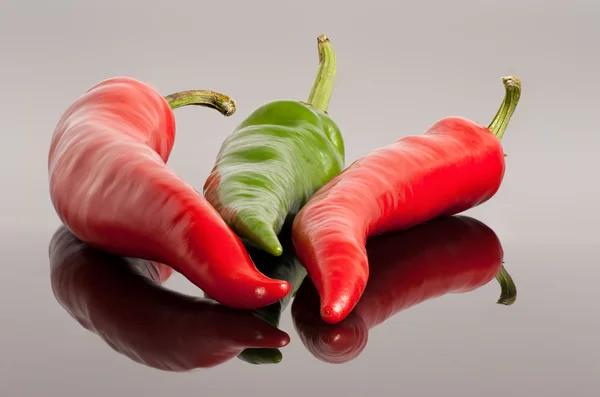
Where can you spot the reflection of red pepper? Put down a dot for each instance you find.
(457, 164)
(111, 187)
(121, 301)
(448, 255)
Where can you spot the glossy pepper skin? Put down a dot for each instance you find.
(110, 186)
(276, 159)
(455, 165)
(121, 300)
(284, 267)
(449, 255)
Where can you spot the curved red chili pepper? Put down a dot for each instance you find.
(448, 255)
(120, 299)
(457, 164)
(111, 187)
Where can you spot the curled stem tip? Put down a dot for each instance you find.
(320, 93)
(508, 294)
(512, 86)
(224, 104)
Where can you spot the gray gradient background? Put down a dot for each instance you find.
(401, 66)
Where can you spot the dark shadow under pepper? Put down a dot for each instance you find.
(276, 159)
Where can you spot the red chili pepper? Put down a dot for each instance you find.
(120, 299)
(110, 186)
(457, 164)
(448, 255)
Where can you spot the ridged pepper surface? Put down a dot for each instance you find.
(276, 159)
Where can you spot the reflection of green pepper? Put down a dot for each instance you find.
(285, 267)
(276, 159)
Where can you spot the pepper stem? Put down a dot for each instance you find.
(508, 294)
(512, 86)
(320, 93)
(224, 104)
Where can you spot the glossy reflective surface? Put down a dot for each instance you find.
(76, 322)
(429, 311)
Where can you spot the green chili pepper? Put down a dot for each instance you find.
(284, 267)
(276, 159)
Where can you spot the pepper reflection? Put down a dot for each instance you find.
(285, 267)
(121, 300)
(449, 255)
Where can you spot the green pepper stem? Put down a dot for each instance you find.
(224, 104)
(320, 93)
(508, 293)
(512, 85)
